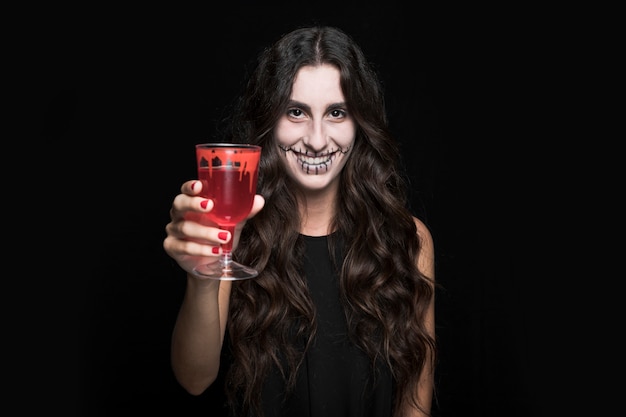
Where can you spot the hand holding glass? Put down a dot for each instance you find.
(229, 174)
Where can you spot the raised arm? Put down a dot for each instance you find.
(201, 322)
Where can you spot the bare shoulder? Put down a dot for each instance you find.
(426, 257)
(423, 232)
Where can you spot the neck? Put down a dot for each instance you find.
(317, 212)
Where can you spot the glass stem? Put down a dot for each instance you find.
(227, 258)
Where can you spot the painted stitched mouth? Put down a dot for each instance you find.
(315, 164)
(312, 163)
(314, 160)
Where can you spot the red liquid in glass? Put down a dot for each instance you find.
(232, 191)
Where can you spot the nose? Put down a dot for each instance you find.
(316, 138)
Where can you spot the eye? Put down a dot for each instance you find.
(337, 114)
(295, 113)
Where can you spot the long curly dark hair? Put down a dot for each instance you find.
(384, 295)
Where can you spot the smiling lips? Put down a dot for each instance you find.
(314, 164)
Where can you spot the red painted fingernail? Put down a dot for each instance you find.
(193, 185)
(215, 250)
(222, 235)
(204, 203)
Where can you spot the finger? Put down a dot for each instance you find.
(184, 203)
(191, 187)
(177, 248)
(193, 229)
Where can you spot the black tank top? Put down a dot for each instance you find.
(336, 378)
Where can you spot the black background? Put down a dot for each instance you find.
(123, 95)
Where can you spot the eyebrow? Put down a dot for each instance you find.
(307, 108)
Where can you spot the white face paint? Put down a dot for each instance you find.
(316, 134)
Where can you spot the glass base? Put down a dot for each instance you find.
(231, 271)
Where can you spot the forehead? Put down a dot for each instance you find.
(315, 83)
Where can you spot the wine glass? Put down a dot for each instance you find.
(229, 173)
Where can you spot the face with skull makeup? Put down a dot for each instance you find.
(316, 133)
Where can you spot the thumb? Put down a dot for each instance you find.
(259, 203)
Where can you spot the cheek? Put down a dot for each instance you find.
(287, 133)
(343, 134)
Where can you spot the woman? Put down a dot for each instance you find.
(340, 320)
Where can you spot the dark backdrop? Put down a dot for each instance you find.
(127, 94)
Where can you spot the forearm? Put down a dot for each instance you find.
(197, 336)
